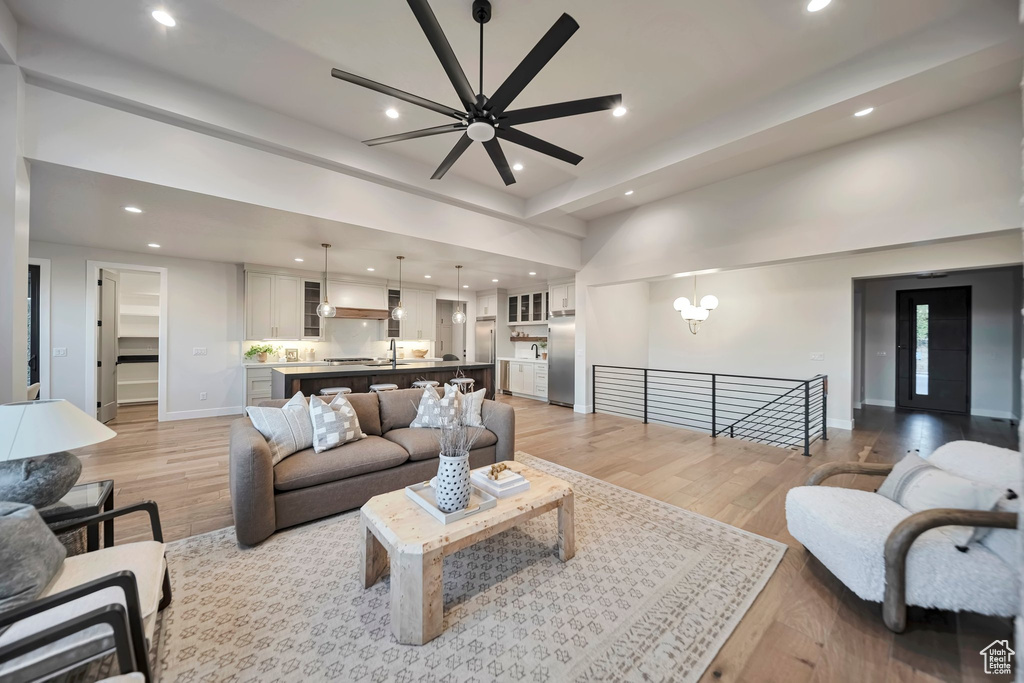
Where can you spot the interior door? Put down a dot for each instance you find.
(106, 345)
(933, 349)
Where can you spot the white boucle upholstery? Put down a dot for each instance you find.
(846, 530)
(980, 462)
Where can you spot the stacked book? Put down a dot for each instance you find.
(507, 483)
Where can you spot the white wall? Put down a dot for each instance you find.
(204, 310)
(995, 343)
(772, 318)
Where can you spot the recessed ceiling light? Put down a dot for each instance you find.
(391, 113)
(517, 166)
(153, 245)
(298, 260)
(619, 111)
(864, 112)
(164, 18)
(816, 5)
(465, 286)
(629, 192)
(133, 209)
(495, 280)
(427, 276)
(532, 273)
(371, 269)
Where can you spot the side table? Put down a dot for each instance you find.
(84, 500)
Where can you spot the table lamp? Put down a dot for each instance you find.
(35, 467)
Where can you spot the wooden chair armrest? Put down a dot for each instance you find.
(831, 469)
(147, 506)
(897, 546)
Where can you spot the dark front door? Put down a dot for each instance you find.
(933, 349)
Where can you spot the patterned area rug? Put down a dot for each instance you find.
(652, 594)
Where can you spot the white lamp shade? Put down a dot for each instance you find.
(698, 313)
(681, 304)
(32, 428)
(709, 301)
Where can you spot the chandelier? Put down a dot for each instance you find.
(693, 314)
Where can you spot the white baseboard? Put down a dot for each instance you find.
(885, 403)
(838, 423)
(981, 412)
(582, 408)
(857, 405)
(207, 412)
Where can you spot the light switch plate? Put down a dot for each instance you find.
(817, 355)
(60, 352)
(199, 351)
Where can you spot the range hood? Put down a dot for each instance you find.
(362, 313)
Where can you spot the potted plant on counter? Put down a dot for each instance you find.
(543, 350)
(259, 352)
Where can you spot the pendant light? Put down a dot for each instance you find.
(326, 309)
(693, 314)
(398, 313)
(458, 317)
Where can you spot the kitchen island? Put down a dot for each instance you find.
(286, 381)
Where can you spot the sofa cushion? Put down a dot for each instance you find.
(367, 409)
(846, 530)
(309, 468)
(398, 408)
(287, 429)
(421, 444)
(29, 553)
(435, 410)
(334, 424)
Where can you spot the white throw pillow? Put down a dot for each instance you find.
(434, 409)
(917, 485)
(333, 424)
(471, 405)
(287, 429)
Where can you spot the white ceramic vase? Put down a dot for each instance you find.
(451, 486)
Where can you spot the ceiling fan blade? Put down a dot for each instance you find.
(531, 65)
(536, 144)
(557, 111)
(398, 94)
(493, 148)
(413, 134)
(461, 146)
(444, 52)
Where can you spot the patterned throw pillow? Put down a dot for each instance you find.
(333, 424)
(287, 429)
(472, 405)
(434, 409)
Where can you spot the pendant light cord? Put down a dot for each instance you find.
(481, 59)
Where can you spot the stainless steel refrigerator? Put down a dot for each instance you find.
(562, 360)
(485, 341)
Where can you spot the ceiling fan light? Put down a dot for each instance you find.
(619, 111)
(709, 301)
(480, 131)
(681, 304)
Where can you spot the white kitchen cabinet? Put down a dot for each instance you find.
(521, 378)
(357, 295)
(257, 385)
(273, 306)
(527, 308)
(487, 305)
(562, 297)
(420, 314)
(540, 381)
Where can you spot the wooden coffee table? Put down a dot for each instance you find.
(395, 526)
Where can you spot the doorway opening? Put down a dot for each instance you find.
(449, 337)
(129, 307)
(933, 349)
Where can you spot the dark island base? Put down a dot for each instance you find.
(283, 386)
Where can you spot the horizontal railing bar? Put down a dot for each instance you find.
(614, 412)
(716, 374)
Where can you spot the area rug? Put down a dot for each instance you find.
(652, 594)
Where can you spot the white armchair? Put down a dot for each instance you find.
(884, 553)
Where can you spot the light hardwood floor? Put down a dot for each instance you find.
(805, 626)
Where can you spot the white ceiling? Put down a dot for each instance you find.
(72, 206)
(681, 66)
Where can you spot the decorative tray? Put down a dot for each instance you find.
(423, 494)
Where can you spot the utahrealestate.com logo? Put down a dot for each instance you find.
(998, 658)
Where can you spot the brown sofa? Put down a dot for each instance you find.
(309, 485)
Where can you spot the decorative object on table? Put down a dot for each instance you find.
(499, 480)
(451, 485)
(326, 309)
(484, 119)
(287, 429)
(259, 352)
(310, 354)
(291, 355)
(419, 353)
(425, 496)
(398, 312)
(458, 317)
(433, 409)
(693, 314)
(35, 467)
(543, 349)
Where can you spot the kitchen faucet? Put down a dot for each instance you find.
(536, 351)
(394, 352)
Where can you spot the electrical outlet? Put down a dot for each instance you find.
(882, 353)
(199, 351)
(202, 395)
(60, 352)
(817, 355)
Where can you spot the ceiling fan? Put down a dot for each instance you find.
(486, 118)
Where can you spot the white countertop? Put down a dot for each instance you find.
(542, 361)
(274, 363)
